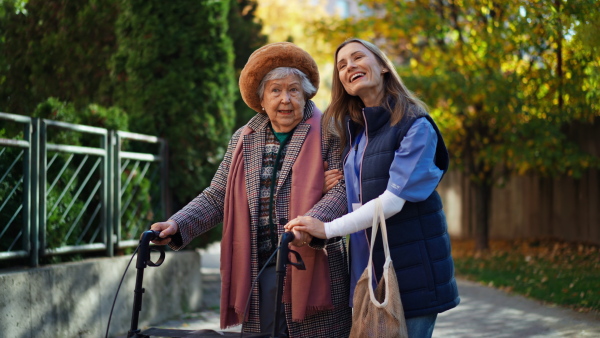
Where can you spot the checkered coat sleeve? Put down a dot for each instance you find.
(206, 211)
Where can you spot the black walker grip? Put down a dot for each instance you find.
(145, 249)
(284, 250)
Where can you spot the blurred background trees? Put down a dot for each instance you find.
(55, 49)
(172, 72)
(171, 66)
(507, 81)
(504, 79)
(245, 31)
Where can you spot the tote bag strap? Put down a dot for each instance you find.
(377, 218)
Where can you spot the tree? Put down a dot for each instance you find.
(298, 27)
(173, 74)
(245, 33)
(55, 48)
(502, 80)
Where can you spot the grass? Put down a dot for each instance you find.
(554, 272)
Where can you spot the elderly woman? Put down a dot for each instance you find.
(273, 171)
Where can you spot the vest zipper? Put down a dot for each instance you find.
(349, 142)
(360, 194)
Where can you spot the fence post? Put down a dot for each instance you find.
(42, 177)
(105, 194)
(32, 177)
(27, 177)
(116, 146)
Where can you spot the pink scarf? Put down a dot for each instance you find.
(309, 290)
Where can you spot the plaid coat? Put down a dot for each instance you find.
(206, 211)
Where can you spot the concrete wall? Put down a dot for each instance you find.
(75, 299)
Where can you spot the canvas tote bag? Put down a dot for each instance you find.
(379, 313)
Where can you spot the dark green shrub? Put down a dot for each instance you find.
(55, 48)
(173, 74)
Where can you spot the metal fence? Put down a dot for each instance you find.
(67, 188)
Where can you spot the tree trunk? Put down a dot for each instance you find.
(483, 197)
(559, 56)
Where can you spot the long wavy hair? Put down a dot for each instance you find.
(397, 99)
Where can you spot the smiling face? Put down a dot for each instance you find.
(283, 101)
(361, 73)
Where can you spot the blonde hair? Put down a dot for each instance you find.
(397, 99)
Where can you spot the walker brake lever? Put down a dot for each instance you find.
(161, 259)
(300, 263)
(145, 248)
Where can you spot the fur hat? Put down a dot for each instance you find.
(269, 57)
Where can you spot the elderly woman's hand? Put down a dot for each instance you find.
(166, 229)
(332, 177)
(301, 238)
(307, 224)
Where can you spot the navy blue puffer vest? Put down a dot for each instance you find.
(418, 237)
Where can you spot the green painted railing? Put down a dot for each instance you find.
(59, 198)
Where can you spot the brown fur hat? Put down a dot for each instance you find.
(269, 57)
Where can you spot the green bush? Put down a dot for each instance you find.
(173, 74)
(55, 48)
(245, 33)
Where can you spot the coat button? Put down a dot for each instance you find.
(283, 221)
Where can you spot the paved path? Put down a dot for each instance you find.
(483, 312)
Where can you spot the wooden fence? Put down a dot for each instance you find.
(532, 207)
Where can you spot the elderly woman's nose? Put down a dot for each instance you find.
(285, 98)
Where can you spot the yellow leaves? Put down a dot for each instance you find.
(413, 63)
(284, 20)
(543, 90)
(485, 11)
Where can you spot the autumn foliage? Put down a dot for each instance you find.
(502, 79)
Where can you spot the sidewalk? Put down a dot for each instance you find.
(483, 312)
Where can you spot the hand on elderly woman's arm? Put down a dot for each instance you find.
(332, 177)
